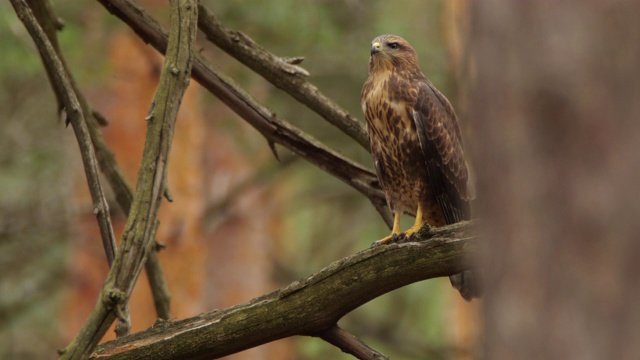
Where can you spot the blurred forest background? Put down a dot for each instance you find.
(547, 95)
(241, 224)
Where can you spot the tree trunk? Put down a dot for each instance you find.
(557, 137)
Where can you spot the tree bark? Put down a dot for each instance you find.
(307, 307)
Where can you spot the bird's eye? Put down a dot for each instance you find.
(394, 45)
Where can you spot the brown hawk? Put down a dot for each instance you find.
(416, 145)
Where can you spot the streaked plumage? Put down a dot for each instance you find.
(416, 144)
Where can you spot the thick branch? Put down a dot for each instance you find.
(137, 239)
(67, 95)
(280, 73)
(274, 128)
(306, 307)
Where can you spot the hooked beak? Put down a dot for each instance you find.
(375, 48)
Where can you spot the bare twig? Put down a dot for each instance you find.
(309, 307)
(158, 283)
(280, 73)
(278, 130)
(350, 344)
(75, 116)
(272, 127)
(50, 24)
(137, 239)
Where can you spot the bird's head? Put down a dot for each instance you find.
(391, 51)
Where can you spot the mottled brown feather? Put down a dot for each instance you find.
(415, 138)
(416, 143)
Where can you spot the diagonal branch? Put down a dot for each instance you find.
(272, 127)
(137, 239)
(74, 114)
(50, 24)
(350, 344)
(280, 73)
(277, 130)
(309, 307)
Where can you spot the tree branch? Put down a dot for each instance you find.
(66, 94)
(350, 344)
(141, 226)
(307, 307)
(121, 188)
(50, 24)
(272, 127)
(158, 284)
(280, 73)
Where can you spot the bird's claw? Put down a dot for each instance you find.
(377, 243)
(389, 239)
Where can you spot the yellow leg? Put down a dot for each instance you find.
(396, 224)
(417, 225)
(394, 232)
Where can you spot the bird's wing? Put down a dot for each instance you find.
(441, 144)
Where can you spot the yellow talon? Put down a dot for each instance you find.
(395, 233)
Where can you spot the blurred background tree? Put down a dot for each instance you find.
(241, 224)
(556, 106)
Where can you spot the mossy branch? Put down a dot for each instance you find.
(50, 23)
(311, 306)
(121, 188)
(137, 239)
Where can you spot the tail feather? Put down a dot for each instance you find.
(468, 283)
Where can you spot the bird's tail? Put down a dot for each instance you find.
(468, 283)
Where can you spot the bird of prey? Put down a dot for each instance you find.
(416, 146)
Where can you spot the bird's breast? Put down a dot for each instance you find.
(395, 145)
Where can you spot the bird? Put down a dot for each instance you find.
(416, 145)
